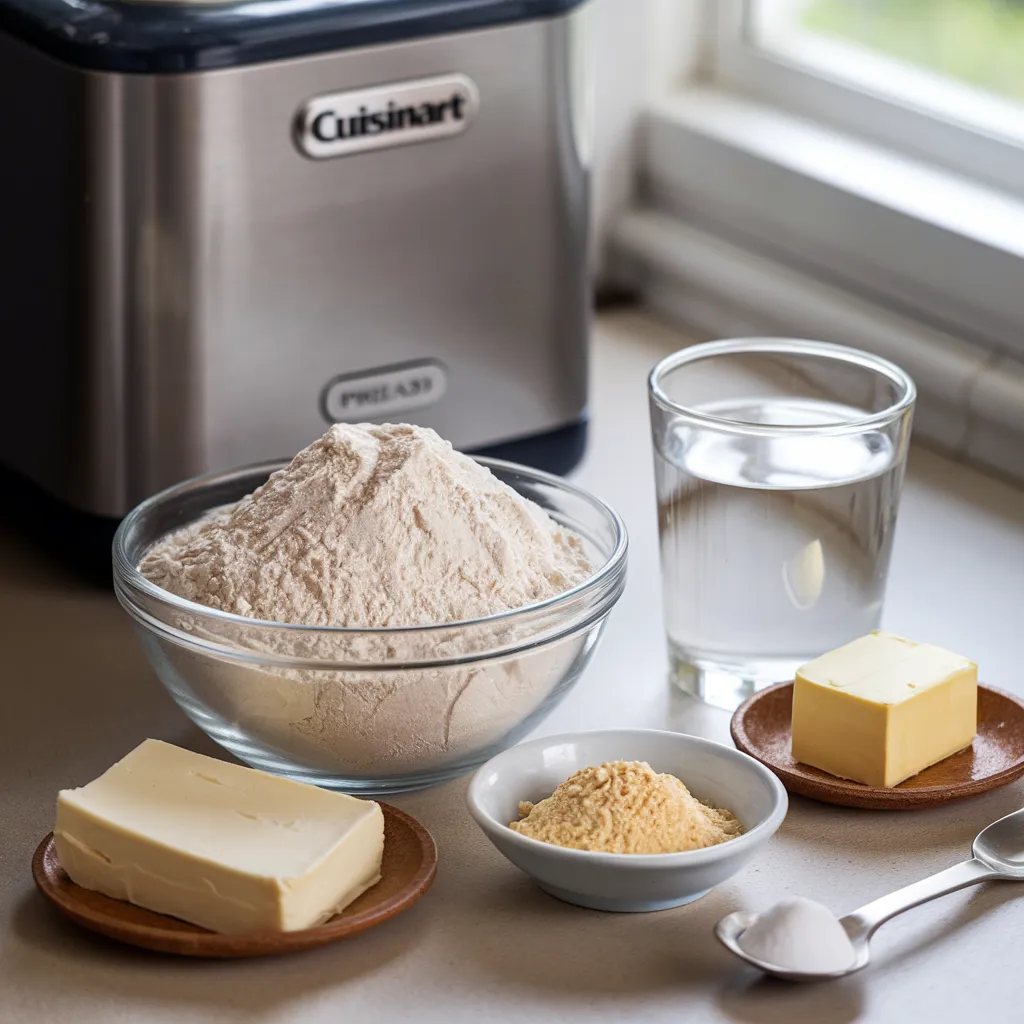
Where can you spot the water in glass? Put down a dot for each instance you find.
(773, 548)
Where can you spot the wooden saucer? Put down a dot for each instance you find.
(762, 727)
(408, 870)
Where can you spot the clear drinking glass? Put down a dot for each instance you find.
(778, 467)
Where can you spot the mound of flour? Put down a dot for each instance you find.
(373, 526)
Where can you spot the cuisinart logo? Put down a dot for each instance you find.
(383, 391)
(386, 115)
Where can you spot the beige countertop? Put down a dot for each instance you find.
(485, 945)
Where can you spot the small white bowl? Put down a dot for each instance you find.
(712, 771)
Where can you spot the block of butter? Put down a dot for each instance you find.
(882, 709)
(225, 847)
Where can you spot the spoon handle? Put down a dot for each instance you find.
(862, 923)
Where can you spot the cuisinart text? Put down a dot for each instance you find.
(386, 115)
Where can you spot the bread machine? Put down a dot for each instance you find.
(226, 225)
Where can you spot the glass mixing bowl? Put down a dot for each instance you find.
(371, 711)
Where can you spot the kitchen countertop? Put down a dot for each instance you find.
(485, 945)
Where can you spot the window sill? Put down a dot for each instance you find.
(921, 240)
(756, 222)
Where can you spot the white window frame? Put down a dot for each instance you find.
(782, 192)
(824, 174)
(919, 113)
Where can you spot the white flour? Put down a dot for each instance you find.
(374, 526)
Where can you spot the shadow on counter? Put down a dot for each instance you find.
(93, 967)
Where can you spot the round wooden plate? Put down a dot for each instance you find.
(408, 870)
(762, 727)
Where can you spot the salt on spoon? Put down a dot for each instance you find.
(997, 852)
(799, 934)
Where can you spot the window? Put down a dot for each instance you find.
(796, 137)
(940, 80)
(850, 170)
(974, 42)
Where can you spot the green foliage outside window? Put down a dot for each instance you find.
(977, 41)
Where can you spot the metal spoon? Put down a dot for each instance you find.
(998, 853)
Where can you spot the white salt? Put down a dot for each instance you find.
(798, 934)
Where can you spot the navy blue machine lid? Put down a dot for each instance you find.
(167, 38)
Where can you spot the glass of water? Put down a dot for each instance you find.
(778, 468)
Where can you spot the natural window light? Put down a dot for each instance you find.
(937, 80)
(849, 169)
(975, 42)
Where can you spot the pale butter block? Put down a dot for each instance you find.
(882, 708)
(224, 847)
